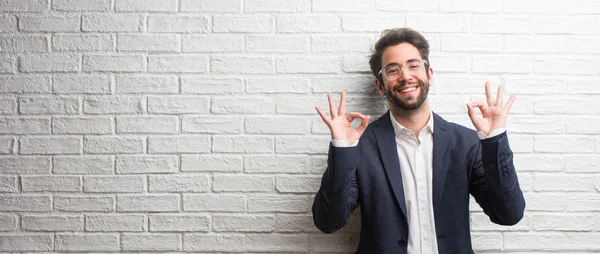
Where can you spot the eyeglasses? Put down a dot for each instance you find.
(393, 72)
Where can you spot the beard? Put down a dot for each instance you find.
(406, 105)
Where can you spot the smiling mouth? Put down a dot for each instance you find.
(408, 89)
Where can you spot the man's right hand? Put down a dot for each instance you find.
(339, 123)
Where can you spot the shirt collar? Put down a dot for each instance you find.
(398, 128)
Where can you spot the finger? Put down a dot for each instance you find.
(471, 112)
(482, 106)
(331, 106)
(363, 125)
(323, 116)
(509, 103)
(352, 115)
(342, 108)
(488, 94)
(500, 95)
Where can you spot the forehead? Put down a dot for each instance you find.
(399, 54)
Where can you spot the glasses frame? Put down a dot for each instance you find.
(381, 73)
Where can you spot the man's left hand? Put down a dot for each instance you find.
(493, 114)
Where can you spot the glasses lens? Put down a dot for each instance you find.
(391, 71)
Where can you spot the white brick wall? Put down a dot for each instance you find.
(189, 125)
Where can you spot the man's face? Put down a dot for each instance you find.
(409, 85)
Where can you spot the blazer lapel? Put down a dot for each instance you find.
(442, 142)
(386, 142)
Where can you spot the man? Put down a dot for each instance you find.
(411, 171)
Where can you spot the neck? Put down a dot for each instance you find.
(414, 120)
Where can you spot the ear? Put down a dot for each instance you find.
(379, 87)
(430, 75)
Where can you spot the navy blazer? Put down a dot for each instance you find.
(369, 175)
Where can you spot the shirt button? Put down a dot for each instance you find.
(402, 242)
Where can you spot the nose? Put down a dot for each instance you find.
(405, 74)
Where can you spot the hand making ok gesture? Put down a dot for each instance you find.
(493, 114)
(339, 123)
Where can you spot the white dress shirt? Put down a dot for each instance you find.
(415, 155)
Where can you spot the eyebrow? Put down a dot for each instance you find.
(409, 61)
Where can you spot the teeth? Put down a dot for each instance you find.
(410, 89)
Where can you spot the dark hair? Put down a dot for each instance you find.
(392, 37)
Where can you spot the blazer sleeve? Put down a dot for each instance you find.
(338, 195)
(494, 182)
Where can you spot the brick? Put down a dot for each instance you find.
(275, 85)
(245, 183)
(8, 184)
(112, 23)
(487, 241)
(52, 223)
(582, 163)
(82, 42)
(81, 5)
(26, 242)
(113, 105)
(147, 84)
(48, 105)
(243, 24)
(277, 242)
(49, 23)
(179, 223)
(202, 85)
(297, 184)
(253, 6)
(470, 43)
(360, 84)
(212, 242)
(25, 84)
(294, 223)
(178, 105)
(178, 183)
(573, 125)
(212, 43)
(51, 183)
(25, 203)
(497, 64)
(562, 222)
(450, 63)
(551, 241)
(113, 145)
(28, 6)
(245, 106)
(536, 85)
(149, 124)
(84, 203)
(557, 66)
(276, 164)
(539, 162)
(277, 125)
(8, 106)
(481, 222)
(308, 23)
(495, 24)
(119, 222)
(224, 6)
(177, 64)
(566, 25)
(563, 183)
(212, 124)
(214, 203)
(151, 242)
(311, 64)
(82, 125)
(564, 144)
(243, 223)
(556, 7)
(178, 24)
(527, 43)
(143, 164)
(23, 43)
(113, 184)
(334, 243)
(310, 144)
(270, 43)
(8, 24)
(453, 23)
(242, 144)
(25, 165)
(211, 163)
(339, 44)
(469, 6)
(298, 106)
(76, 84)
(87, 242)
(545, 201)
(582, 44)
(83, 165)
(375, 24)
(8, 222)
(343, 6)
(148, 203)
(537, 124)
(583, 202)
(242, 65)
(8, 64)
(280, 203)
(148, 42)
(521, 143)
(50, 145)
(418, 5)
(179, 144)
(114, 63)
(146, 6)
